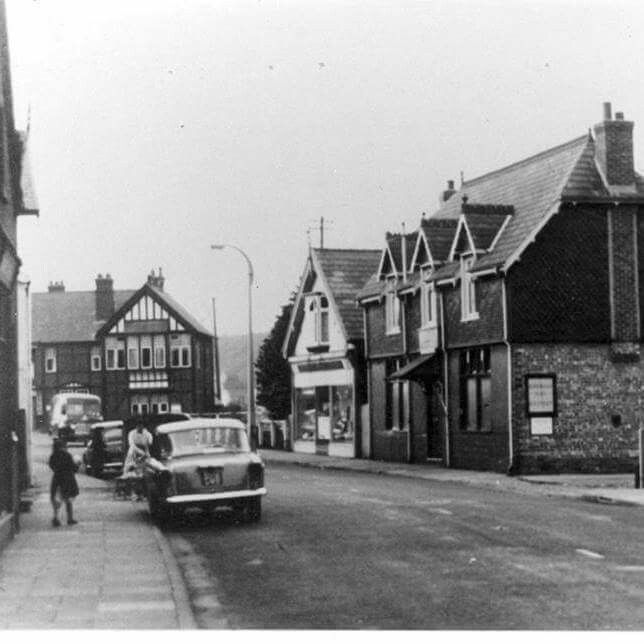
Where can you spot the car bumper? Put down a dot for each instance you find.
(181, 499)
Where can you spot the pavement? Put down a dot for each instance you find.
(597, 488)
(113, 570)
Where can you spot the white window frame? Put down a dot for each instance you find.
(428, 317)
(95, 359)
(181, 345)
(468, 290)
(158, 344)
(51, 360)
(392, 309)
(114, 348)
(145, 342)
(133, 352)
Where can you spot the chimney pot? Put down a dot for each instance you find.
(607, 112)
(619, 116)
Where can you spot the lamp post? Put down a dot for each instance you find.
(251, 370)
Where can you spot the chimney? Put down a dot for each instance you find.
(56, 287)
(614, 148)
(104, 297)
(446, 194)
(156, 280)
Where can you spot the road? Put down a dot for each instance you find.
(356, 551)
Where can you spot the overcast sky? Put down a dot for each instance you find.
(158, 128)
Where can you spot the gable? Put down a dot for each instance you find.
(462, 240)
(421, 256)
(145, 315)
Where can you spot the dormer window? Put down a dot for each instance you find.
(319, 307)
(392, 309)
(468, 290)
(427, 305)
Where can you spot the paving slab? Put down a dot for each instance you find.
(112, 570)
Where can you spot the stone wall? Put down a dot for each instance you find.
(598, 411)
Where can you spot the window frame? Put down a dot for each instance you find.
(428, 305)
(51, 355)
(392, 309)
(476, 371)
(538, 427)
(469, 310)
(95, 355)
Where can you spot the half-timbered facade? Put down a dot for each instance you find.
(535, 340)
(140, 351)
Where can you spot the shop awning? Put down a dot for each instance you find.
(416, 369)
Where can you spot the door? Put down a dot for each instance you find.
(435, 421)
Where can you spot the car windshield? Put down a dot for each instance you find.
(207, 439)
(78, 407)
(113, 435)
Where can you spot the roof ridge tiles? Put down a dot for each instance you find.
(526, 160)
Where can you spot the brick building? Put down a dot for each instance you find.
(325, 348)
(16, 198)
(510, 337)
(140, 351)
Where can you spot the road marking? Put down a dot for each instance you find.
(254, 562)
(589, 553)
(630, 568)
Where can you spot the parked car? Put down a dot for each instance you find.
(151, 422)
(110, 458)
(204, 463)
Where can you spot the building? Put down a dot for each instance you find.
(16, 198)
(325, 348)
(140, 351)
(511, 339)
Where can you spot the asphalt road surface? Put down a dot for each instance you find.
(355, 551)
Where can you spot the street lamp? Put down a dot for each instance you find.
(251, 370)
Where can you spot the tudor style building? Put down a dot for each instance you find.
(518, 345)
(140, 351)
(325, 348)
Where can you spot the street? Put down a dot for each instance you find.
(356, 551)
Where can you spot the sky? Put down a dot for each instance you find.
(160, 128)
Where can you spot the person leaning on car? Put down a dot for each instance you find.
(139, 442)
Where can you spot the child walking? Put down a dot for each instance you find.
(63, 482)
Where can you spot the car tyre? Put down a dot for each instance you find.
(254, 509)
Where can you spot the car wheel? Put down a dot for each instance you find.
(254, 509)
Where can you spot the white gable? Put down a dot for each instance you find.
(147, 310)
(307, 336)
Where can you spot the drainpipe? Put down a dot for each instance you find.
(445, 379)
(509, 374)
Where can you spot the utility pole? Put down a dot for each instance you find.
(215, 355)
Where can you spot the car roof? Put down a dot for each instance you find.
(200, 423)
(108, 424)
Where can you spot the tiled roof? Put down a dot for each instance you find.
(533, 187)
(439, 232)
(372, 288)
(395, 243)
(346, 271)
(68, 316)
(182, 312)
(484, 228)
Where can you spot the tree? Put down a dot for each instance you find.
(273, 373)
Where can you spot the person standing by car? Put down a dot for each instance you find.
(98, 453)
(63, 482)
(139, 442)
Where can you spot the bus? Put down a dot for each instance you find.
(71, 415)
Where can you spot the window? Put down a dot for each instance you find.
(95, 359)
(319, 307)
(427, 305)
(50, 360)
(146, 352)
(114, 354)
(476, 390)
(180, 351)
(541, 403)
(392, 309)
(159, 351)
(468, 290)
(132, 352)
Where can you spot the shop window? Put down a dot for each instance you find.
(305, 414)
(476, 390)
(341, 413)
(392, 309)
(468, 290)
(541, 403)
(50, 360)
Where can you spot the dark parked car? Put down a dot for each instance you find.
(105, 451)
(204, 463)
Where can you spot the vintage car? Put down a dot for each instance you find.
(204, 463)
(105, 450)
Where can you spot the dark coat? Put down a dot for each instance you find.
(64, 479)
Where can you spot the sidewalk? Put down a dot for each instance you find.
(598, 488)
(113, 570)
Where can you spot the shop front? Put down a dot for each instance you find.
(324, 419)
